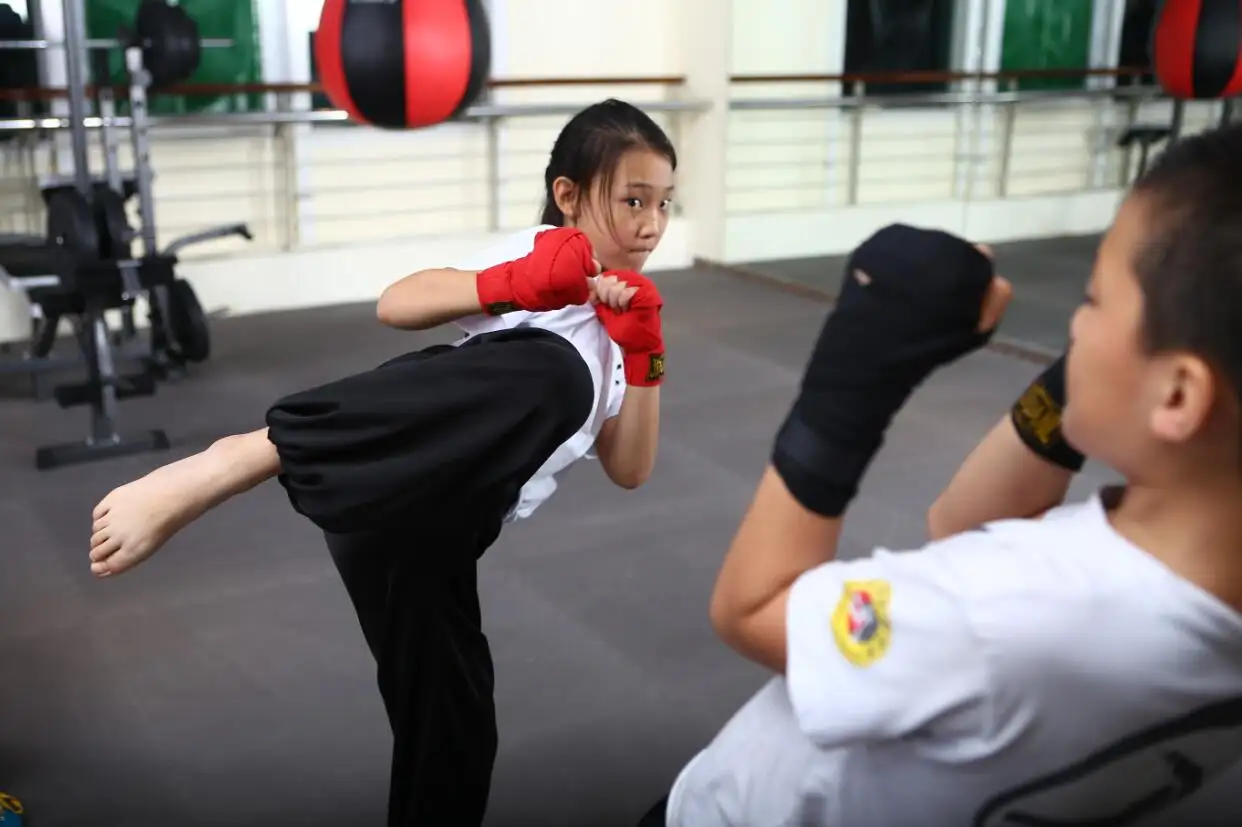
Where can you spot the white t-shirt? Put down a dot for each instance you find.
(1041, 672)
(583, 329)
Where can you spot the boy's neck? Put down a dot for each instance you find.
(1195, 530)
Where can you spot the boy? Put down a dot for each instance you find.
(1085, 667)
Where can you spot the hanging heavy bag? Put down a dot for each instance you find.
(1195, 48)
(405, 63)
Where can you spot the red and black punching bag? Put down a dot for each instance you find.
(403, 63)
(1195, 48)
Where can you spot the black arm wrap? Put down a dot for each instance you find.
(909, 304)
(1036, 416)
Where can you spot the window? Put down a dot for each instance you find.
(19, 68)
(898, 36)
(1136, 42)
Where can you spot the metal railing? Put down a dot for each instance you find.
(283, 170)
(982, 139)
(298, 177)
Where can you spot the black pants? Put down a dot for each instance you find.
(410, 469)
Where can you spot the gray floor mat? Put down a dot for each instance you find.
(226, 683)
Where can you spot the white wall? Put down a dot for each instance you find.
(338, 212)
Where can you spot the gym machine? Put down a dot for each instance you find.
(85, 266)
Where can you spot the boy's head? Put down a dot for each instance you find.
(1155, 359)
(610, 175)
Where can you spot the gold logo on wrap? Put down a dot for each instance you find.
(501, 308)
(1039, 414)
(655, 368)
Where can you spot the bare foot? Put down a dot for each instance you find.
(136, 519)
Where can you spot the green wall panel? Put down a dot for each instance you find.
(232, 19)
(1047, 34)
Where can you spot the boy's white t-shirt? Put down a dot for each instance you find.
(580, 326)
(1034, 672)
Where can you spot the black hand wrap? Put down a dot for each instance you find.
(909, 303)
(1036, 416)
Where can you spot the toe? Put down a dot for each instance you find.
(103, 547)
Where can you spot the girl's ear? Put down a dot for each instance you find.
(565, 193)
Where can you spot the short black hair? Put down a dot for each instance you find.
(1190, 269)
(591, 145)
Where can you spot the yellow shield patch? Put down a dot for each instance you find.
(860, 622)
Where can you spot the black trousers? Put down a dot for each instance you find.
(410, 469)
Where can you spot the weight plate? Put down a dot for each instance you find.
(170, 43)
(71, 223)
(187, 322)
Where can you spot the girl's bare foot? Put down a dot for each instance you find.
(135, 520)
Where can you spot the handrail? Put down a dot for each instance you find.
(35, 93)
(474, 113)
(943, 99)
(943, 77)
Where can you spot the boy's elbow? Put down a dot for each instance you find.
(727, 622)
(937, 527)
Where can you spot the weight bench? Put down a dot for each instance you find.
(65, 285)
(24, 262)
(64, 288)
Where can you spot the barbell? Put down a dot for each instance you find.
(168, 36)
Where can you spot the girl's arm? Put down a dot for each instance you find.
(628, 442)
(429, 298)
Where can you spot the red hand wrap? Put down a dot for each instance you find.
(551, 276)
(637, 331)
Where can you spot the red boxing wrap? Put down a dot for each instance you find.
(551, 276)
(636, 330)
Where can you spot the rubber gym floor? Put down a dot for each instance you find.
(226, 683)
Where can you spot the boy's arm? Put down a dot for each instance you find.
(1022, 468)
(898, 319)
(871, 649)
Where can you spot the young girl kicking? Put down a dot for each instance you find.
(411, 468)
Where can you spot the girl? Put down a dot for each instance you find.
(411, 468)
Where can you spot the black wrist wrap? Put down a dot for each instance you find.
(1036, 416)
(909, 303)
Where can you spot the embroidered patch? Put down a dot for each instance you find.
(860, 622)
(501, 308)
(1039, 414)
(655, 368)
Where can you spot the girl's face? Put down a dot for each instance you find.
(625, 223)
